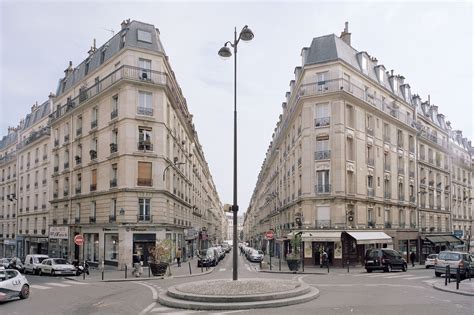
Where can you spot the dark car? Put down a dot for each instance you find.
(207, 258)
(384, 259)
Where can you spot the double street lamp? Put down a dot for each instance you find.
(246, 34)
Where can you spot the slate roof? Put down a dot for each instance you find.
(8, 139)
(42, 111)
(111, 48)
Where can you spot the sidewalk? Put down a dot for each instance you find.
(466, 287)
(112, 274)
(277, 267)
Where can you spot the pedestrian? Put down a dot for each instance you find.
(325, 259)
(136, 265)
(178, 257)
(412, 258)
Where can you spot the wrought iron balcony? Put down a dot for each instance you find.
(322, 189)
(113, 182)
(144, 111)
(322, 224)
(113, 147)
(143, 218)
(92, 219)
(93, 187)
(145, 146)
(93, 154)
(388, 225)
(112, 218)
(77, 220)
(79, 131)
(66, 165)
(94, 124)
(114, 114)
(322, 155)
(66, 138)
(371, 224)
(78, 189)
(321, 122)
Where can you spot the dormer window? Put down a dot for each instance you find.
(102, 56)
(381, 73)
(144, 36)
(364, 64)
(86, 71)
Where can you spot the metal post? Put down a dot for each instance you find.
(446, 276)
(458, 278)
(449, 273)
(125, 271)
(235, 207)
(190, 272)
(279, 262)
(348, 265)
(327, 264)
(149, 271)
(102, 273)
(270, 260)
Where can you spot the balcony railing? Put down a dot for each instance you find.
(322, 189)
(144, 111)
(322, 155)
(145, 146)
(77, 220)
(143, 218)
(371, 224)
(387, 195)
(112, 218)
(78, 189)
(66, 138)
(322, 224)
(93, 187)
(43, 231)
(113, 182)
(401, 225)
(79, 131)
(114, 114)
(92, 219)
(78, 160)
(43, 206)
(388, 225)
(66, 165)
(56, 169)
(93, 154)
(65, 193)
(93, 124)
(321, 122)
(35, 135)
(56, 142)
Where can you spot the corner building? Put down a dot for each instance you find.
(343, 166)
(127, 165)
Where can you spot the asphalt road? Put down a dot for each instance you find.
(340, 293)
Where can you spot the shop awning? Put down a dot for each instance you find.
(321, 236)
(436, 239)
(371, 237)
(451, 239)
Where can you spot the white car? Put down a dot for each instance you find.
(33, 263)
(57, 266)
(430, 260)
(255, 256)
(13, 284)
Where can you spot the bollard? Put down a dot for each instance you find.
(458, 278)
(449, 273)
(125, 271)
(261, 264)
(190, 272)
(202, 268)
(328, 266)
(446, 276)
(279, 263)
(83, 275)
(270, 262)
(149, 271)
(348, 265)
(102, 274)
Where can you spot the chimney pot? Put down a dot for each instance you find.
(345, 35)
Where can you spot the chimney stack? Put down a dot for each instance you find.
(345, 35)
(51, 103)
(69, 70)
(125, 23)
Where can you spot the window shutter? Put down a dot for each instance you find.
(144, 174)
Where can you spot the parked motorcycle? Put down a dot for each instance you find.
(16, 264)
(81, 268)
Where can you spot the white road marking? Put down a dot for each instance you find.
(153, 290)
(222, 269)
(377, 275)
(399, 276)
(148, 308)
(413, 278)
(361, 275)
(247, 267)
(74, 282)
(35, 286)
(57, 284)
(430, 281)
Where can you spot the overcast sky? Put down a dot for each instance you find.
(429, 43)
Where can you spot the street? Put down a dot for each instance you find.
(341, 293)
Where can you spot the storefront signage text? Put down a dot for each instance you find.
(58, 232)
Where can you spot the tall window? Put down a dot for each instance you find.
(93, 211)
(144, 174)
(79, 126)
(144, 139)
(113, 179)
(350, 149)
(322, 84)
(350, 182)
(323, 184)
(350, 116)
(322, 148)
(143, 209)
(113, 210)
(114, 111)
(364, 64)
(370, 217)
(93, 180)
(93, 151)
(94, 117)
(78, 213)
(145, 69)
(322, 115)
(144, 103)
(388, 217)
(386, 132)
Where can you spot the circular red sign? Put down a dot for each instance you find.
(269, 235)
(79, 240)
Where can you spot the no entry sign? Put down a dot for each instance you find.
(269, 235)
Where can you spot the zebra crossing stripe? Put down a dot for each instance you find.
(74, 282)
(402, 276)
(414, 278)
(40, 287)
(379, 275)
(222, 269)
(58, 284)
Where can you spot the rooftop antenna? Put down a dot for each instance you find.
(110, 30)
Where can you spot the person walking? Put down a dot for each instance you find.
(412, 258)
(178, 257)
(325, 259)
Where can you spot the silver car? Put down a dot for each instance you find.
(456, 261)
(430, 260)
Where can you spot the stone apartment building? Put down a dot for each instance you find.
(127, 168)
(356, 161)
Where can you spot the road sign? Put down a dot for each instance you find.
(79, 240)
(269, 235)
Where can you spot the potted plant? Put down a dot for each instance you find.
(294, 257)
(160, 257)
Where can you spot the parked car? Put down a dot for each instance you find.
(207, 258)
(226, 247)
(384, 259)
(57, 266)
(13, 284)
(255, 256)
(430, 260)
(455, 260)
(33, 263)
(221, 252)
(5, 262)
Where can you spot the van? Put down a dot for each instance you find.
(33, 263)
(384, 259)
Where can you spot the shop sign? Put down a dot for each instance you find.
(9, 242)
(58, 232)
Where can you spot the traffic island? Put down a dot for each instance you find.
(237, 295)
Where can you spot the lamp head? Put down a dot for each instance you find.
(225, 52)
(246, 34)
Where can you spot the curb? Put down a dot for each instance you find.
(295, 272)
(442, 288)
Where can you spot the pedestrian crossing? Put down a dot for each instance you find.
(51, 285)
(404, 276)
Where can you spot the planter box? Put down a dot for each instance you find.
(293, 264)
(158, 269)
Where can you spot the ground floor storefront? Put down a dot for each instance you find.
(26, 245)
(435, 243)
(8, 248)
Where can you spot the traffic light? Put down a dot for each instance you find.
(350, 215)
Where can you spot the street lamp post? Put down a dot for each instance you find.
(246, 34)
